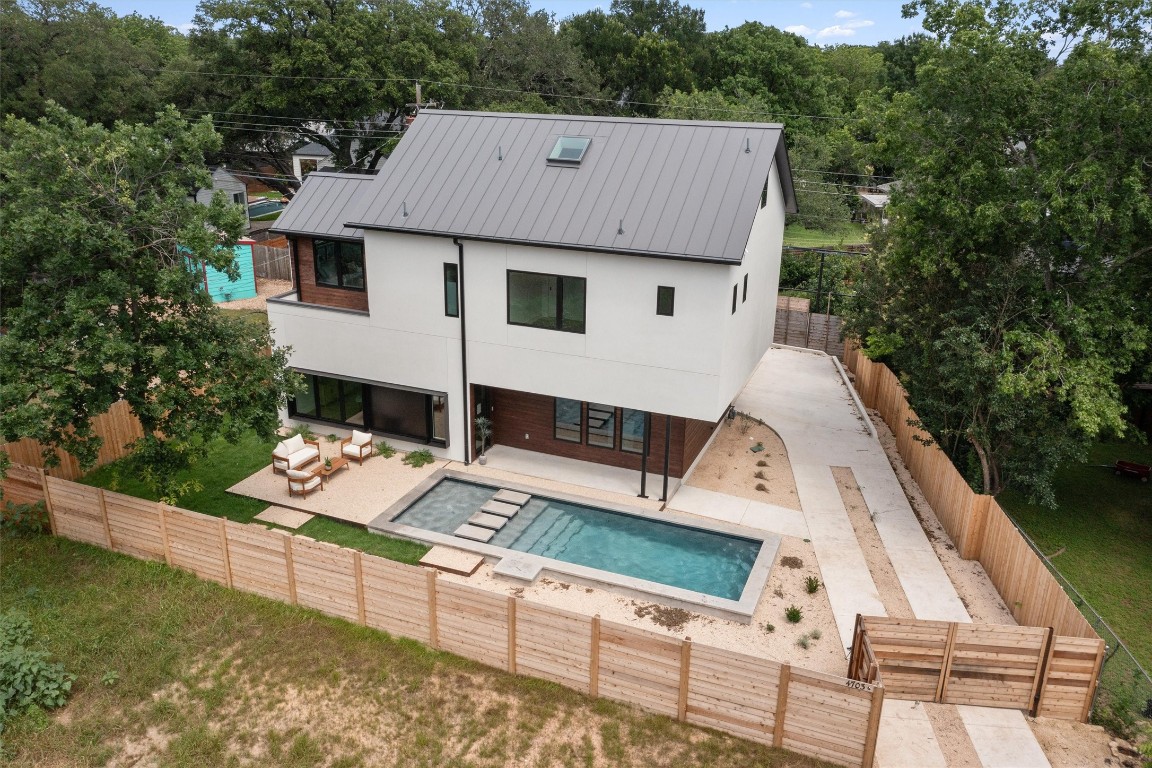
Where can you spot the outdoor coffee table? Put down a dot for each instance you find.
(326, 472)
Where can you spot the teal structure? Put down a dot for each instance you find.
(220, 288)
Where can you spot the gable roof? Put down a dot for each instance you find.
(677, 188)
(321, 206)
(312, 149)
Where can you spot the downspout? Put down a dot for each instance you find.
(667, 451)
(464, 358)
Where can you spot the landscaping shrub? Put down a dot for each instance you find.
(385, 450)
(24, 519)
(812, 584)
(419, 458)
(27, 678)
(793, 614)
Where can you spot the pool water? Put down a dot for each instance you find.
(695, 559)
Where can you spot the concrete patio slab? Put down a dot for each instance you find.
(452, 560)
(1002, 738)
(284, 517)
(736, 509)
(573, 472)
(906, 738)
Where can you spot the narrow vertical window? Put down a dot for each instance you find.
(735, 295)
(665, 300)
(745, 297)
(569, 420)
(451, 290)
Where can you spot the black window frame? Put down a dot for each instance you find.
(613, 415)
(744, 298)
(735, 295)
(366, 388)
(451, 295)
(670, 292)
(340, 245)
(559, 317)
(579, 440)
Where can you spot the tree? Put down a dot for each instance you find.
(100, 303)
(340, 73)
(1011, 290)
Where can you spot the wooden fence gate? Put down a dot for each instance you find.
(985, 665)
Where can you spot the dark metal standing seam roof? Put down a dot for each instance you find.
(683, 189)
(323, 204)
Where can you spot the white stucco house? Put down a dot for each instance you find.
(601, 288)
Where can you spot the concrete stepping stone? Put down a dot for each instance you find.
(485, 520)
(500, 508)
(475, 532)
(287, 518)
(452, 560)
(512, 497)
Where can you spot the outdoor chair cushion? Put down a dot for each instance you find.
(293, 444)
(293, 452)
(299, 480)
(360, 438)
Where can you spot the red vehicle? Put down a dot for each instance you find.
(1132, 469)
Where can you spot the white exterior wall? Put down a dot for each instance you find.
(690, 365)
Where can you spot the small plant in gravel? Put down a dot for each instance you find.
(812, 584)
(759, 475)
(769, 627)
(815, 634)
(332, 438)
(808, 638)
(793, 614)
(419, 458)
(761, 487)
(791, 561)
(802, 641)
(746, 423)
(385, 450)
(761, 463)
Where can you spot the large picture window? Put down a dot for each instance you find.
(410, 414)
(599, 425)
(554, 302)
(569, 421)
(339, 264)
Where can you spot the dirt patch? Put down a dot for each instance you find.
(1072, 745)
(879, 565)
(791, 562)
(730, 466)
(663, 616)
(264, 290)
(952, 736)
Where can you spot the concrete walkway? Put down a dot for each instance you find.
(806, 400)
(736, 509)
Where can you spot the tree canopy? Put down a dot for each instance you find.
(99, 299)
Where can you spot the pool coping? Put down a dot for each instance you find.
(527, 567)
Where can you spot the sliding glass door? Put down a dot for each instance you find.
(417, 416)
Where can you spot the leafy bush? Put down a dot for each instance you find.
(304, 430)
(793, 614)
(769, 627)
(332, 438)
(24, 519)
(385, 450)
(27, 678)
(419, 458)
(812, 584)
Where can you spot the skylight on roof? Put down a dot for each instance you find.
(569, 149)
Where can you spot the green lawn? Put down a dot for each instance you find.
(179, 672)
(1104, 528)
(228, 464)
(844, 233)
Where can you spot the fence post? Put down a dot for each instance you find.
(512, 634)
(781, 705)
(104, 518)
(869, 755)
(685, 667)
(594, 659)
(224, 549)
(854, 657)
(433, 632)
(47, 500)
(291, 566)
(163, 510)
(1040, 684)
(945, 664)
(359, 587)
(1090, 696)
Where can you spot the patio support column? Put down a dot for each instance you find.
(667, 451)
(644, 455)
(466, 392)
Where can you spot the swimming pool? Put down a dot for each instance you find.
(665, 554)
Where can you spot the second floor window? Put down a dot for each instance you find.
(554, 302)
(339, 264)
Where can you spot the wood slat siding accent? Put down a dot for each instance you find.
(982, 664)
(977, 525)
(23, 485)
(515, 414)
(118, 427)
(311, 293)
(706, 686)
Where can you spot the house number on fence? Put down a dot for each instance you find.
(858, 685)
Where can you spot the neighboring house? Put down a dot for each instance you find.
(309, 158)
(576, 279)
(234, 190)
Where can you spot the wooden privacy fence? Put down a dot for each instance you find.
(825, 716)
(984, 665)
(272, 263)
(977, 525)
(118, 427)
(796, 326)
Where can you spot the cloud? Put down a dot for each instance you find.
(859, 24)
(805, 5)
(799, 29)
(836, 31)
(845, 14)
(185, 28)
